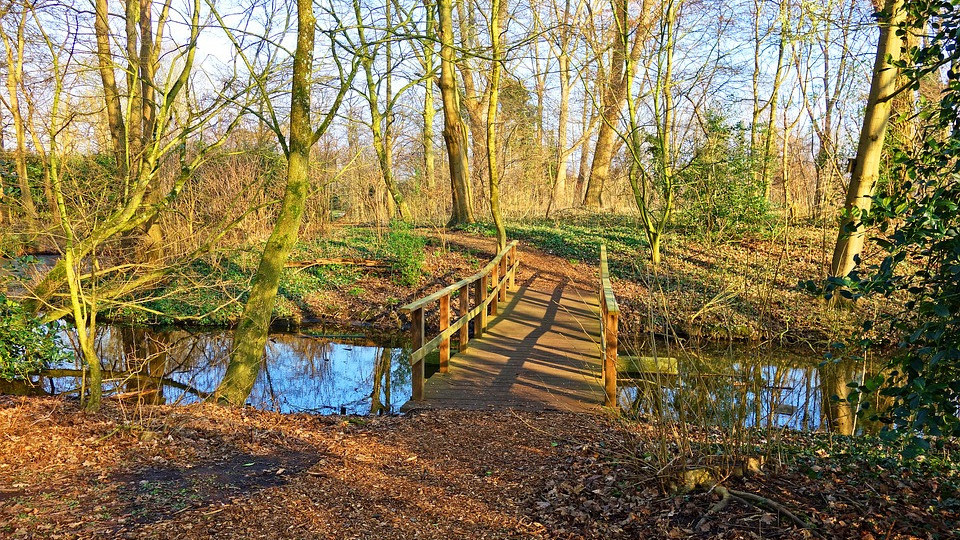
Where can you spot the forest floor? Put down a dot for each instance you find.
(204, 471)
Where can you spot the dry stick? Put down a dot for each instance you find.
(752, 499)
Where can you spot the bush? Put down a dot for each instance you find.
(26, 344)
(721, 192)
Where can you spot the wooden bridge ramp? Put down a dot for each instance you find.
(539, 352)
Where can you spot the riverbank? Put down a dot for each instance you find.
(204, 471)
(707, 289)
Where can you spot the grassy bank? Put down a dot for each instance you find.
(709, 287)
(393, 266)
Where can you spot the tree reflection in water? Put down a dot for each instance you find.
(300, 373)
(743, 388)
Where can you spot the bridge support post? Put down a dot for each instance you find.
(610, 358)
(417, 329)
(513, 270)
(495, 298)
(464, 310)
(445, 342)
(480, 322)
(504, 282)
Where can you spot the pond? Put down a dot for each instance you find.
(331, 372)
(313, 371)
(748, 386)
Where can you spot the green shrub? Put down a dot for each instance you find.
(26, 344)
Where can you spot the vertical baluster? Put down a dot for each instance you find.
(482, 297)
(444, 324)
(503, 277)
(513, 267)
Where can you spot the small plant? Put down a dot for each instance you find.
(405, 252)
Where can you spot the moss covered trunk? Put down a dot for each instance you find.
(250, 337)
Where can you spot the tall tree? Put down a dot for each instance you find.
(498, 17)
(876, 118)
(454, 129)
(613, 99)
(250, 336)
(380, 118)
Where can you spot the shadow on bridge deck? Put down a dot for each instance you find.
(539, 353)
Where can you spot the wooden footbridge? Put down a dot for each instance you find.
(536, 343)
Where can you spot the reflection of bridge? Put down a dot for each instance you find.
(534, 342)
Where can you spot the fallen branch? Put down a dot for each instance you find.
(366, 263)
(768, 504)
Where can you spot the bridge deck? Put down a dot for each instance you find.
(539, 353)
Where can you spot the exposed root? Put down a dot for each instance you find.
(720, 505)
(726, 495)
(768, 504)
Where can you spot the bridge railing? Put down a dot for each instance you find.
(609, 316)
(489, 287)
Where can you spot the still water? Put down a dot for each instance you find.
(746, 386)
(324, 373)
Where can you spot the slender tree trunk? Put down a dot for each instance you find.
(614, 97)
(852, 233)
(111, 96)
(454, 130)
(429, 109)
(558, 197)
(250, 337)
(14, 53)
(498, 13)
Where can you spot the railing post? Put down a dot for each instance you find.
(417, 329)
(495, 276)
(479, 295)
(610, 358)
(445, 342)
(484, 316)
(464, 309)
(513, 268)
(503, 276)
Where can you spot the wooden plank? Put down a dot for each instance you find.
(662, 365)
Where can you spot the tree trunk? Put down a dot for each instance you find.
(558, 197)
(498, 13)
(454, 130)
(250, 337)
(870, 148)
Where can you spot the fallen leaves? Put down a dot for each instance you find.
(214, 472)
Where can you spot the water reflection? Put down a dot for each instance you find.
(300, 373)
(739, 387)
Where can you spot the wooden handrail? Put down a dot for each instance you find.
(609, 317)
(489, 286)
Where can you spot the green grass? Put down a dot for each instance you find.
(212, 291)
